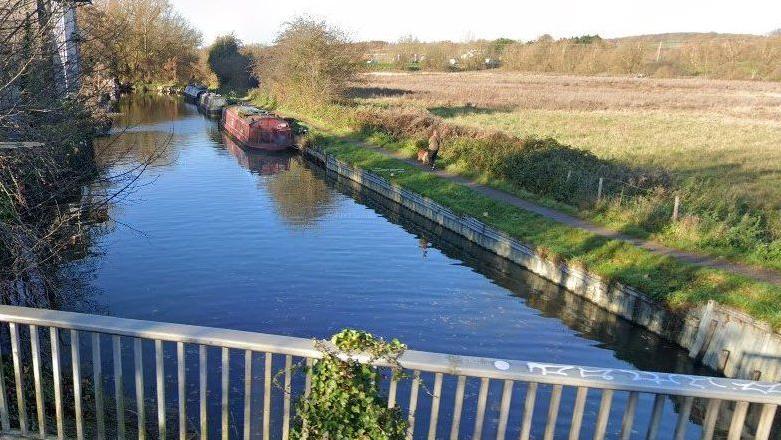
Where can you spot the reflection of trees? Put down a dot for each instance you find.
(300, 197)
(153, 148)
(135, 138)
(149, 109)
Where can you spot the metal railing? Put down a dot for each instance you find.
(448, 396)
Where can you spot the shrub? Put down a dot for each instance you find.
(310, 62)
(345, 400)
(134, 41)
(232, 67)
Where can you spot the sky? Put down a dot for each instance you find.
(429, 20)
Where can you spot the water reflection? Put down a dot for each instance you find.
(258, 161)
(300, 198)
(143, 133)
(149, 110)
(630, 343)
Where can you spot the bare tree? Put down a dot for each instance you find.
(50, 186)
(310, 61)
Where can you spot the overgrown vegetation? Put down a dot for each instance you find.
(310, 63)
(540, 166)
(50, 112)
(231, 65)
(345, 400)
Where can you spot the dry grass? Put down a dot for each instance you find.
(729, 131)
(753, 101)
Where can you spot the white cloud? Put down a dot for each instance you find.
(255, 21)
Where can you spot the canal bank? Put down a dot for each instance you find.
(726, 340)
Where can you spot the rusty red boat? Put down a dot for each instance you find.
(256, 128)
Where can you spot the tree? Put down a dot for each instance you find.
(310, 62)
(499, 44)
(545, 38)
(141, 41)
(231, 65)
(43, 205)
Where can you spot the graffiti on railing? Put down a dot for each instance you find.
(652, 378)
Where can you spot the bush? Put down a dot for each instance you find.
(134, 42)
(345, 400)
(232, 67)
(311, 62)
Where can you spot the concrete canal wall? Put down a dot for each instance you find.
(724, 339)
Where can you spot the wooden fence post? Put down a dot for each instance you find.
(676, 208)
(599, 190)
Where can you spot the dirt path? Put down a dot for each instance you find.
(756, 273)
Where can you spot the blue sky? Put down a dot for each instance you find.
(258, 21)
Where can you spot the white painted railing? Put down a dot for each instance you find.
(78, 392)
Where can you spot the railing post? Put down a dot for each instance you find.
(139, 376)
(36, 353)
(20, 401)
(676, 208)
(4, 419)
(181, 382)
(119, 393)
(97, 383)
(76, 370)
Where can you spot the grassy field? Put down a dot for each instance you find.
(719, 140)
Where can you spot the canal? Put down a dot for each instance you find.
(214, 235)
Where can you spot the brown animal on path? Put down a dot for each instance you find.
(423, 155)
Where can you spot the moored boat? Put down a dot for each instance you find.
(193, 92)
(212, 103)
(256, 128)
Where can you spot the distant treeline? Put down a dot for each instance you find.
(147, 41)
(712, 55)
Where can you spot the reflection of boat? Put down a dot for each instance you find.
(262, 162)
(256, 128)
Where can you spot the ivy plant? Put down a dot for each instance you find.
(345, 400)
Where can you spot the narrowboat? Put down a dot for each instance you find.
(256, 128)
(212, 103)
(193, 92)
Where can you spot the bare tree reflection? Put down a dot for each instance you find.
(300, 197)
